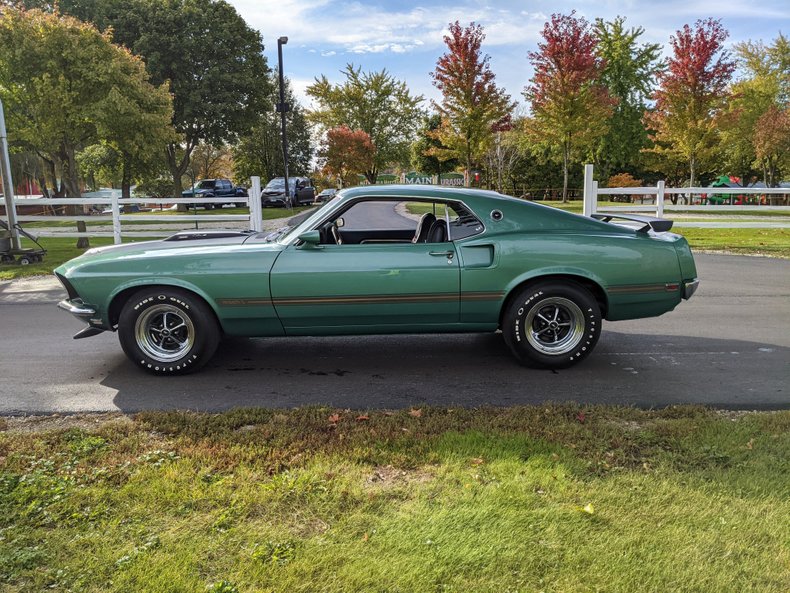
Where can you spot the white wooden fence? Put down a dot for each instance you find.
(659, 191)
(116, 217)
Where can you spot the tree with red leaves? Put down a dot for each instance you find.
(570, 107)
(692, 92)
(472, 106)
(346, 153)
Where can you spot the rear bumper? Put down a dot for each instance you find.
(690, 287)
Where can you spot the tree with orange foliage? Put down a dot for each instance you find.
(346, 153)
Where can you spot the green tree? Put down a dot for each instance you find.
(764, 85)
(68, 87)
(472, 106)
(211, 58)
(570, 107)
(216, 68)
(428, 154)
(628, 71)
(772, 142)
(260, 151)
(374, 102)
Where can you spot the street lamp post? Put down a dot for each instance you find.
(283, 108)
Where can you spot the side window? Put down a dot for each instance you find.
(444, 221)
(400, 221)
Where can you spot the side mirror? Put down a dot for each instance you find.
(310, 239)
(340, 223)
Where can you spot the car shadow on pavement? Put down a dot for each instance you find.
(464, 369)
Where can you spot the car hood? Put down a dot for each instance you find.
(178, 244)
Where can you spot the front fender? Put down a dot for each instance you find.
(137, 283)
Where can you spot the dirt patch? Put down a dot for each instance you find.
(386, 476)
(30, 424)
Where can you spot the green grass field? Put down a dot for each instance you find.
(527, 499)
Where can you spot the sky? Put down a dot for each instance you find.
(406, 38)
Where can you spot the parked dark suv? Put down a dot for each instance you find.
(215, 188)
(300, 192)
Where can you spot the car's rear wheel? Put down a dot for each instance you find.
(168, 331)
(552, 324)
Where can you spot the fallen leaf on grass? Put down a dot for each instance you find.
(334, 418)
(750, 444)
(365, 537)
(581, 417)
(415, 413)
(477, 461)
(362, 418)
(589, 509)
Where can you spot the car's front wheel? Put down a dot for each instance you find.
(168, 331)
(552, 325)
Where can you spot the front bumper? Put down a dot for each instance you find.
(77, 308)
(273, 200)
(86, 313)
(690, 287)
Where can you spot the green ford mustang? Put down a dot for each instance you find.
(381, 260)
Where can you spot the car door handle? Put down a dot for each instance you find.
(447, 254)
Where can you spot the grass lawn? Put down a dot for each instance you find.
(59, 250)
(576, 206)
(526, 499)
(773, 242)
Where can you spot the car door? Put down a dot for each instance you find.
(366, 288)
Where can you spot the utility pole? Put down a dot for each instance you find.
(8, 184)
(283, 108)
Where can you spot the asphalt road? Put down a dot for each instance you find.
(729, 346)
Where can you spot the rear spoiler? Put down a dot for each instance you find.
(659, 225)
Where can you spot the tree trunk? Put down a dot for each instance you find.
(126, 184)
(692, 176)
(71, 182)
(178, 168)
(372, 175)
(42, 185)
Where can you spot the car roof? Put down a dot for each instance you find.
(427, 191)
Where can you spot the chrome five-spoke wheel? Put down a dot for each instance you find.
(168, 330)
(164, 333)
(552, 324)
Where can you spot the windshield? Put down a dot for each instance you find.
(276, 183)
(205, 184)
(274, 235)
(309, 222)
